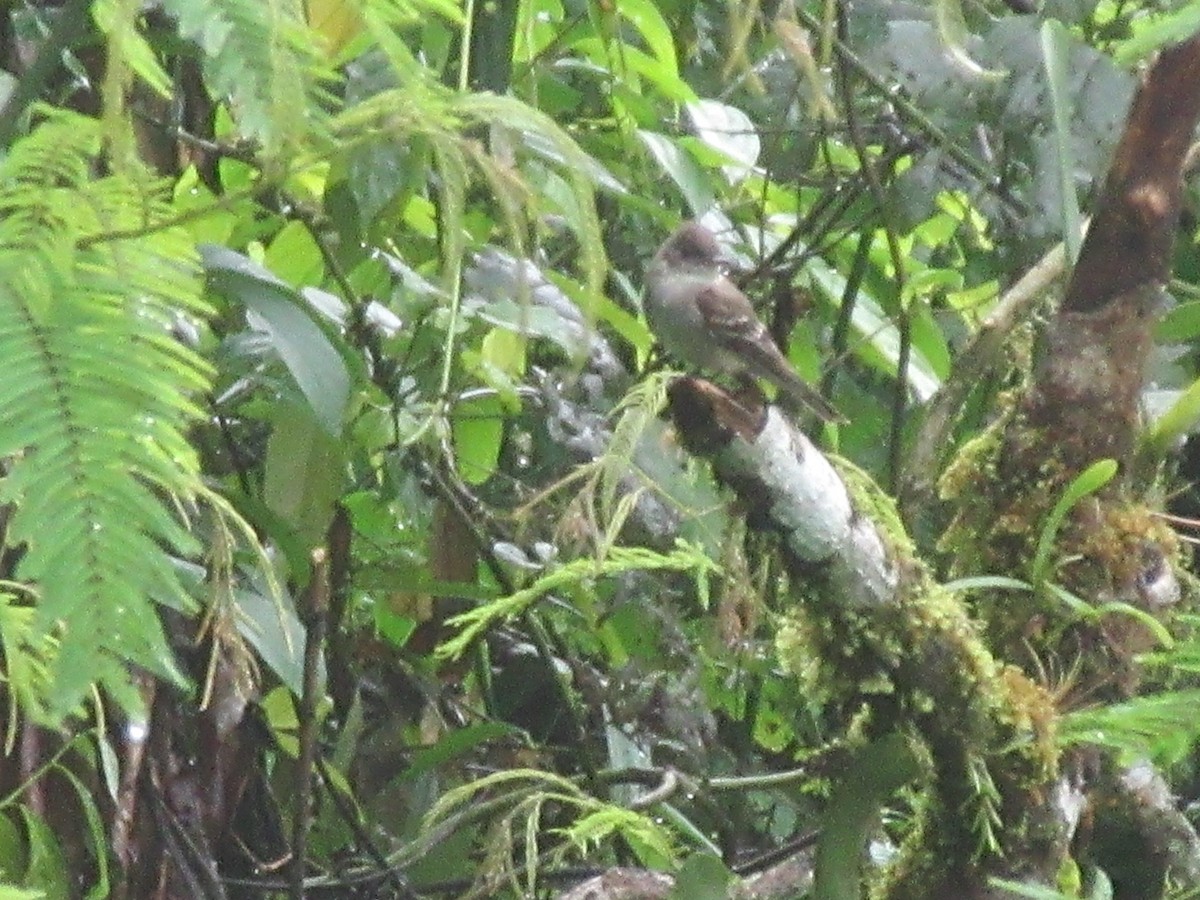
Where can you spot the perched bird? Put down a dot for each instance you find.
(704, 319)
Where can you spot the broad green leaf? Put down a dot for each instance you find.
(1175, 424)
(625, 752)
(852, 813)
(661, 463)
(504, 350)
(524, 318)
(646, 18)
(1180, 324)
(628, 326)
(729, 130)
(929, 342)
(190, 195)
(373, 517)
(478, 430)
(702, 877)
(678, 164)
(275, 632)
(304, 472)
(337, 21)
(878, 339)
(279, 706)
(925, 281)
(393, 627)
(307, 348)
(294, 257)
(1178, 25)
(551, 148)
(631, 69)
(382, 174)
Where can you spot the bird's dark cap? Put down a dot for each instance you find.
(692, 243)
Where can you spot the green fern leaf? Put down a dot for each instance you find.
(261, 55)
(95, 403)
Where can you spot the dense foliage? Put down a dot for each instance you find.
(346, 542)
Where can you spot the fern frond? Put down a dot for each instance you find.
(95, 402)
(423, 108)
(261, 55)
(25, 668)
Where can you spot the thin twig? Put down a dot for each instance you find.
(839, 342)
(916, 117)
(903, 316)
(244, 151)
(123, 234)
(387, 872)
(315, 612)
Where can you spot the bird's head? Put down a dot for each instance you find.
(692, 247)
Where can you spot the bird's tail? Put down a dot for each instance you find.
(807, 396)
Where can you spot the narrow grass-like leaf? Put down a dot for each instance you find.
(1086, 482)
(1056, 59)
(1175, 424)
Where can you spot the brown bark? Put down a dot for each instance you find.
(1090, 377)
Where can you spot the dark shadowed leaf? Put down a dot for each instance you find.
(306, 347)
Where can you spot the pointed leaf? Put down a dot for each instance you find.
(306, 348)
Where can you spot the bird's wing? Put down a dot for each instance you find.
(732, 322)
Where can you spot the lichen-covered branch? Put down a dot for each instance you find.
(877, 632)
